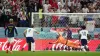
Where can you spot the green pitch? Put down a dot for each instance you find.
(49, 53)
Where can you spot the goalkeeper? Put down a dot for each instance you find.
(66, 42)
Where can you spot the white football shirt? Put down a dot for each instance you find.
(30, 32)
(84, 34)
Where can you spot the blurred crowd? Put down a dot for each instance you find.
(72, 6)
(20, 10)
(15, 9)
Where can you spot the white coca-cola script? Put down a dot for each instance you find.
(16, 47)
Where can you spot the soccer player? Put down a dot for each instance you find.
(57, 45)
(66, 42)
(10, 36)
(84, 37)
(28, 33)
(68, 34)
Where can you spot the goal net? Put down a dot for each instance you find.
(49, 22)
(90, 20)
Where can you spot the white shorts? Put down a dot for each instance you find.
(11, 39)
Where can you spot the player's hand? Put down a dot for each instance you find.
(38, 32)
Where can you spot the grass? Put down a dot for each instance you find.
(49, 53)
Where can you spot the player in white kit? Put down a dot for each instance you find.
(84, 37)
(28, 33)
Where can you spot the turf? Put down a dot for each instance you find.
(49, 53)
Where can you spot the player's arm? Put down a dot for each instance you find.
(37, 32)
(54, 42)
(79, 37)
(25, 33)
(6, 30)
(16, 32)
(88, 36)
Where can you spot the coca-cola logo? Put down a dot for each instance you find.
(16, 47)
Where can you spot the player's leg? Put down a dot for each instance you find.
(69, 44)
(83, 42)
(8, 44)
(70, 48)
(32, 44)
(28, 41)
(60, 47)
(24, 46)
(86, 46)
(11, 43)
(76, 45)
(64, 48)
(72, 45)
(53, 46)
(57, 46)
(83, 48)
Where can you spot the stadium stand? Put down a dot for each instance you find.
(20, 10)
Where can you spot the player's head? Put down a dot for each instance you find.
(11, 21)
(83, 27)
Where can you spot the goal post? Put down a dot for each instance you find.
(51, 22)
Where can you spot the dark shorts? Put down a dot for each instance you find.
(83, 42)
(29, 39)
